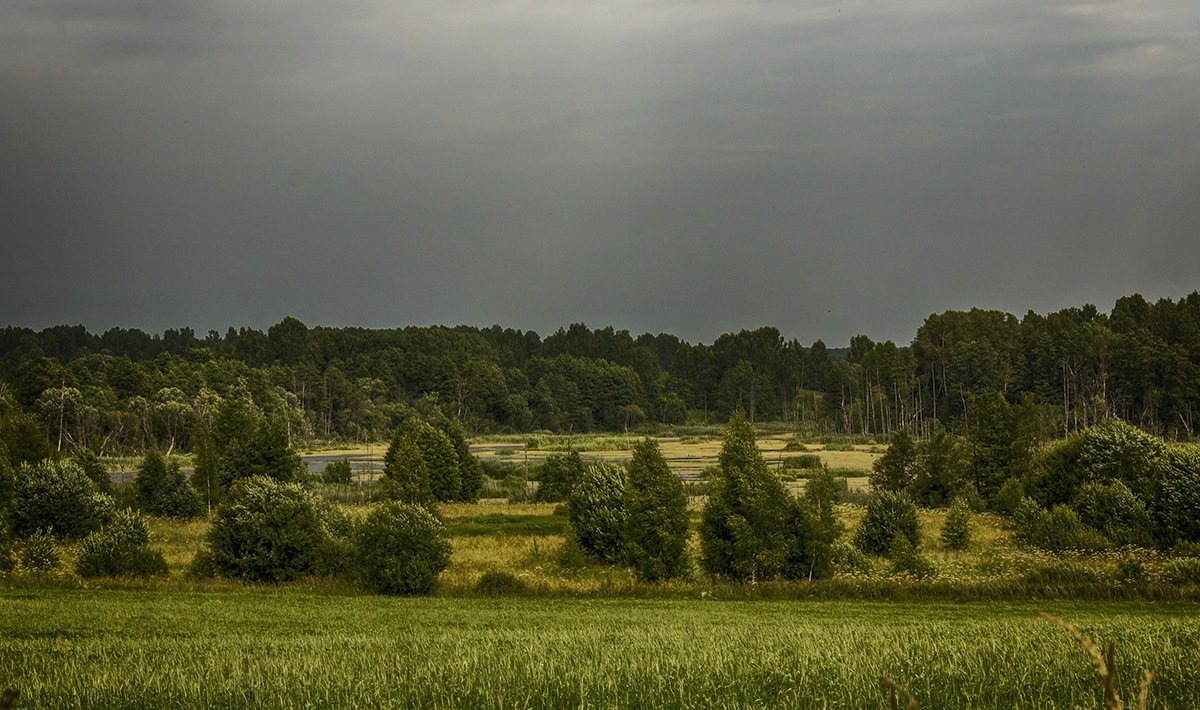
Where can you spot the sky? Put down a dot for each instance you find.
(691, 167)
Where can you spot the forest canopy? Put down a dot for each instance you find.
(124, 388)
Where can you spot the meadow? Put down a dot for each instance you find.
(282, 649)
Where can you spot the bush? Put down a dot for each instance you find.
(163, 490)
(400, 549)
(1113, 510)
(58, 495)
(558, 476)
(656, 518)
(906, 559)
(1056, 530)
(95, 470)
(848, 558)
(895, 469)
(268, 531)
(337, 472)
(496, 584)
(120, 548)
(1175, 506)
(597, 512)
(956, 531)
(39, 553)
(1010, 495)
(805, 461)
(888, 514)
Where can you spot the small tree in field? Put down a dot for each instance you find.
(895, 469)
(400, 549)
(888, 514)
(956, 531)
(656, 522)
(559, 475)
(597, 512)
(405, 476)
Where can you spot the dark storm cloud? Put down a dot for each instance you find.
(694, 167)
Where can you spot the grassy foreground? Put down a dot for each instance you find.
(271, 648)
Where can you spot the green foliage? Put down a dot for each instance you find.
(469, 473)
(1057, 530)
(337, 472)
(1058, 471)
(894, 470)
(405, 476)
(120, 548)
(8, 489)
(267, 453)
(400, 548)
(1175, 507)
(499, 583)
(24, 439)
(163, 490)
(752, 529)
(95, 469)
(1010, 495)
(558, 477)
(268, 531)
(441, 459)
(940, 470)
(58, 495)
(1114, 511)
(888, 514)
(656, 518)
(822, 493)
(956, 531)
(1114, 450)
(907, 560)
(39, 553)
(809, 461)
(597, 512)
(1002, 439)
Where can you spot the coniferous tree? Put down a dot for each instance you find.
(894, 470)
(441, 460)
(405, 476)
(559, 475)
(656, 522)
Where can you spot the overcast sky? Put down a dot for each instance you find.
(829, 168)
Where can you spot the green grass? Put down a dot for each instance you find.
(275, 649)
(507, 524)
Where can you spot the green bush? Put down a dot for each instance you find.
(597, 512)
(401, 548)
(120, 548)
(58, 495)
(1010, 495)
(895, 469)
(804, 461)
(95, 469)
(907, 560)
(1175, 505)
(1058, 529)
(558, 476)
(845, 557)
(268, 531)
(888, 514)
(500, 583)
(39, 553)
(1114, 511)
(337, 472)
(163, 490)
(956, 531)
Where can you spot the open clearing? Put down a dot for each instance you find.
(273, 648)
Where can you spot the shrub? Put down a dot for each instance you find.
(265, 453)
(268, 531)
(956, 531)
(95, 470)
(558, 477)
(888, 514)
(1113, 510)
(1175, 506)
(894, 470)
(1057, 471)
(805, 461)
(1131, 570)
(163, 490)
(405, 475)
(500, 583)
(337, 472)
(39, 553)
(848, 558)
(1057, 529)
(906, 559)
(400, 549)
(656, 518)
(940, 470)
(597, 512)
(120, 548)
(1010, 495)
(438, 454)
(58, 495)
(1114, 450)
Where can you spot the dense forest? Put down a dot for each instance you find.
(118, 390)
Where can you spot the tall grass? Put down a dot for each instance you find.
(273, 650)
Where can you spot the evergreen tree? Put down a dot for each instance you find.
(597, 512)
(750, 528)
(656, 522)
(469, 472)
(151, 479)
(441, 460)
(956, 531)
(405, 476)
(95, 470)
(266, 453)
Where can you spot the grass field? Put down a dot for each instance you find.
(276, 649)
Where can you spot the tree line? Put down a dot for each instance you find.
(121, 390)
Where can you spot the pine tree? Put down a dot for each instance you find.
(956, 531)
(656, 522)
(894, 470)
(405, 477)
(441, 460)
